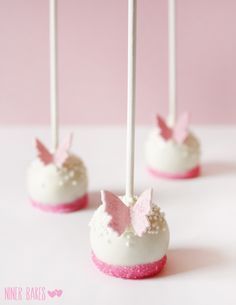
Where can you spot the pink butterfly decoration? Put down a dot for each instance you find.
(60, 155)
(123, 216)
(179, 132)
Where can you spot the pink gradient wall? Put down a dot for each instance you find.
(92, 60)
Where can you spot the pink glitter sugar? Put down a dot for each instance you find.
(73, 206)
(131, 272)
(193, 173)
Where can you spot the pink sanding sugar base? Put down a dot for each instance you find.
(193, 173)
(73, 206)
(131, 272)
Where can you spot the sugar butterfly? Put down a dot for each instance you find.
(58, 157)
(123, 216)
(179, 132)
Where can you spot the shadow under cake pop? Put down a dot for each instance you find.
(183, 260)
(218, 168)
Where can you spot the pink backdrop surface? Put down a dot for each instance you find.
(93, 55)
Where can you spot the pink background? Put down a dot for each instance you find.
(93, 55)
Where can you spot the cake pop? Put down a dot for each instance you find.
(129, 235)
(57, 179)
(172, 151)
(129, 240)
(57, 182)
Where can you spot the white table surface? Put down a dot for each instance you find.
(52, 251)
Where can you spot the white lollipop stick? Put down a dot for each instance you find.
(172, 62)
(131, 101)
(53, 72)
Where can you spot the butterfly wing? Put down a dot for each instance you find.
(166, 132)
(180, 132)
(61, 153)
(119, 212)
(43, 153)
(140, 211)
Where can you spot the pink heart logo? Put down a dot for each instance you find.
(56, 292)
(51, 293)
(59, 293)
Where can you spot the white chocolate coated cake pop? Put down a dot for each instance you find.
(173, 152)
(129, 241)
(57, 182)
